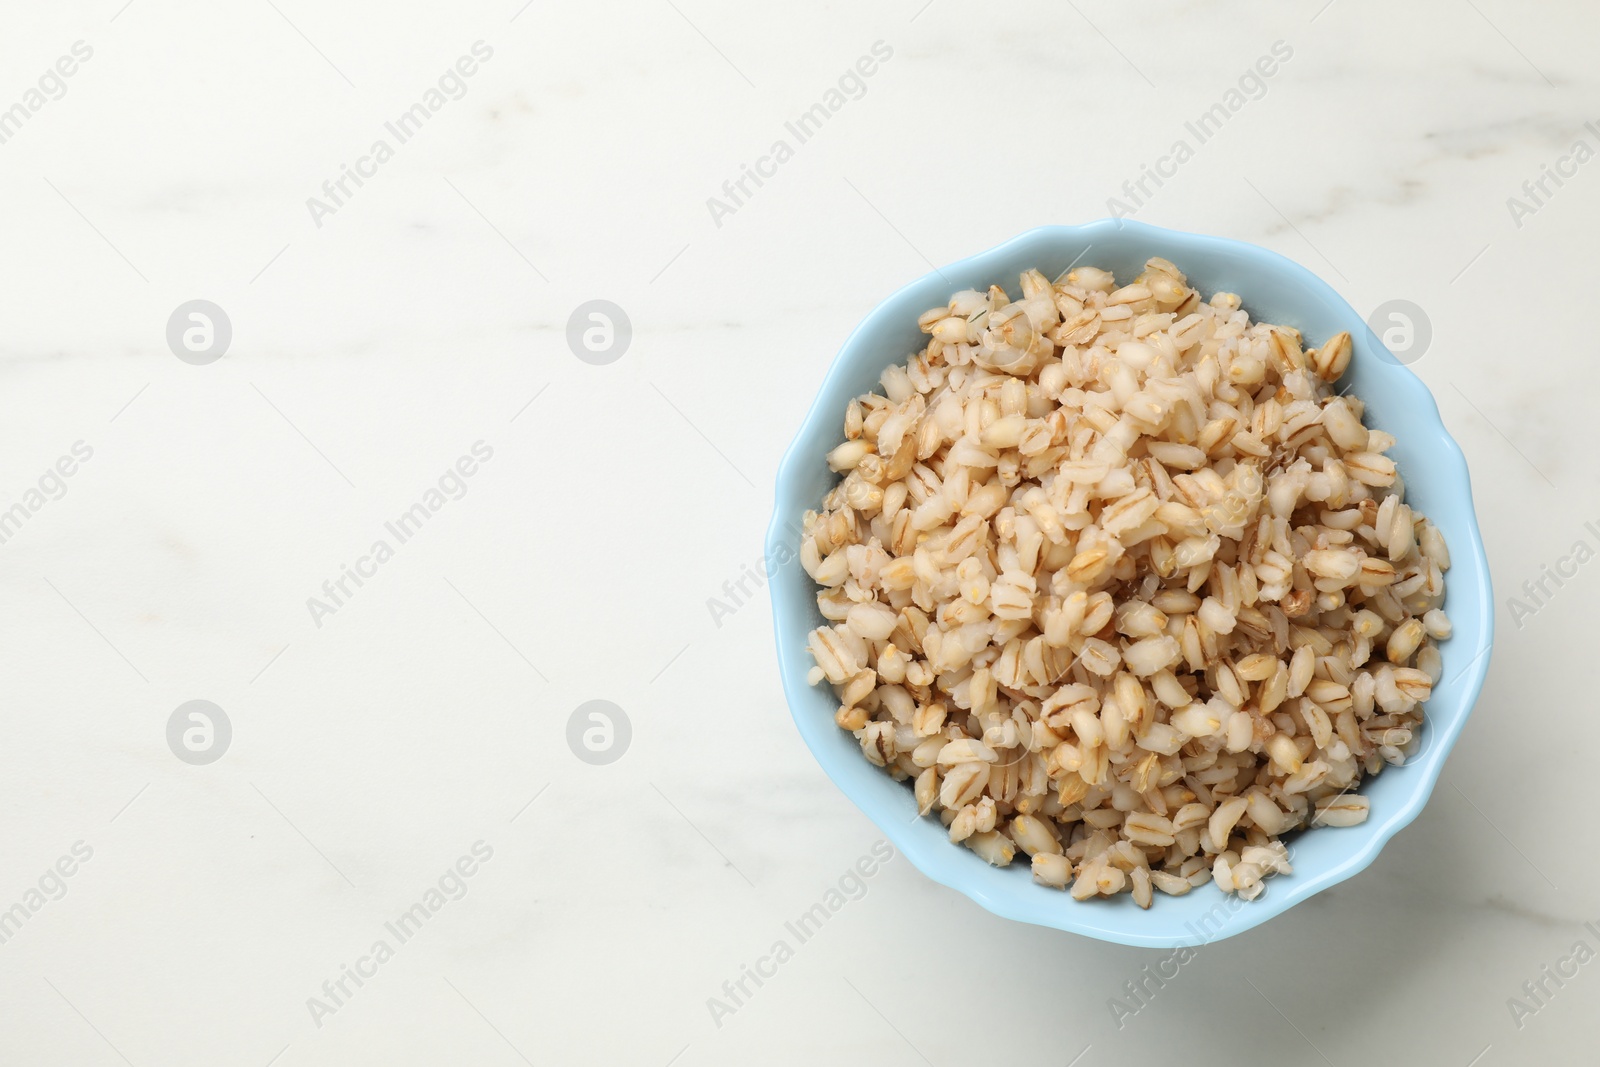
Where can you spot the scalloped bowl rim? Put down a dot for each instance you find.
(1424, 443)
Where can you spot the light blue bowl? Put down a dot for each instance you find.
(1274, 289)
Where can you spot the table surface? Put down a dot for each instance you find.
(399, 209)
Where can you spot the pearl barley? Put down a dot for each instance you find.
(1120, 583)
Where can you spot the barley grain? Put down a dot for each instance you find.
(1112, 574)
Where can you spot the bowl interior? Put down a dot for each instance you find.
(1274, 289)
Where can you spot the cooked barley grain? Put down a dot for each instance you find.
(1119, 582)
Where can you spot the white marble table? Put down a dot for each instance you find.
(381, 333)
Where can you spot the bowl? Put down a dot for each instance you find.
(1274, 289)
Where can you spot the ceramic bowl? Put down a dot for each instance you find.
(1274, 289)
